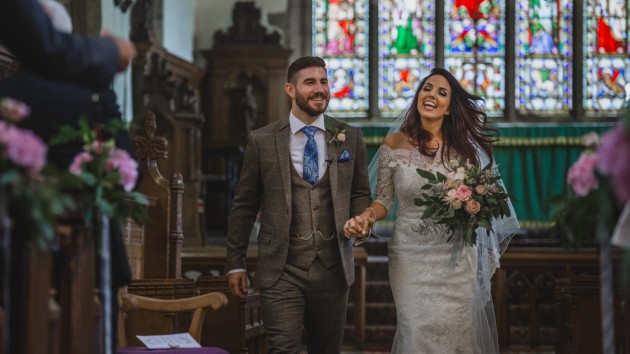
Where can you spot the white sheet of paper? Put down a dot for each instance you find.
(179, 340)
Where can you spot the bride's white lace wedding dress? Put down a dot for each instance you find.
(433, 293)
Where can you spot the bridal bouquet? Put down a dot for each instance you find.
(465, 199)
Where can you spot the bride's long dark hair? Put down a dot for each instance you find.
(465, 126)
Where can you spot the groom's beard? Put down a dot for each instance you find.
(303, 103)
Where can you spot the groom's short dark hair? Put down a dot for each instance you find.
(303, 63)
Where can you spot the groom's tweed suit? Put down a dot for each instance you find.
(294, 274)
(265, 185)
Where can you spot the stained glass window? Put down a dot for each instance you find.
(475, 46)
(607, 80)
(340, 36)
(543, 52)
(406, 50)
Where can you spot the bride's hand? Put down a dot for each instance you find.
(357, 226)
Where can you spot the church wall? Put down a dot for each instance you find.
(178, 29)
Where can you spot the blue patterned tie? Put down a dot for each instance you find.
(311, 160)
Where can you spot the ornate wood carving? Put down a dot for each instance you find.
(163, 234)
(230, 70)
(525, 293)
(246, 27)
(141, 22)
(167, 86)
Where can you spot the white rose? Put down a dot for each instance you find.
(341, 137)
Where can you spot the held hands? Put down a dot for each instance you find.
(359, 226)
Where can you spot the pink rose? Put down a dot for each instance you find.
(127, 167)
(473, 207)
(581, 176)
(76, 167)
(13, 110)
(464, 192)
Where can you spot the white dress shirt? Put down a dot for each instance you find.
(297, 143)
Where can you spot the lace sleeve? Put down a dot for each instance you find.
(385, 182)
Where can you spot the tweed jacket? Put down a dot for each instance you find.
(265, 185)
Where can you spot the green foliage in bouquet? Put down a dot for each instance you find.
(465, 199)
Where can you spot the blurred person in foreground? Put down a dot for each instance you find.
(61, 95)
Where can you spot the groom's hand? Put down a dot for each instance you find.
(238, 284)
(358, 226)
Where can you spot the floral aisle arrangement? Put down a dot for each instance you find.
(465, 199)
(592, 211)
(104, 176)
(103, 173)
(598, 187)
(28, 186)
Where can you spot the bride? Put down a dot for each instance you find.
(441, 290)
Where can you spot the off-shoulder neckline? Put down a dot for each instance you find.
(405, 149)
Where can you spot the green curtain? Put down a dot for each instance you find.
(533, 160)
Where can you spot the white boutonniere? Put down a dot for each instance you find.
(338, 132)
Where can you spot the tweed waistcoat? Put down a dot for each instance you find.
(312, 216)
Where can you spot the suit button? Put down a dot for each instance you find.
(312, 188)
(315, 208)
(317, 228)
(316, 248)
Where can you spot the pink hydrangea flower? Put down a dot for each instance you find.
(581, 176)
(78, 161)
(614, 161)
(119, 159)
(23, 148)
(13, 110)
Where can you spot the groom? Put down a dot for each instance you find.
(306, 174)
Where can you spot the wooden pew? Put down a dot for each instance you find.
(579, 320)
(54, 301)
(526, 292)
(161, 238)
(238, 328)
(149, 246)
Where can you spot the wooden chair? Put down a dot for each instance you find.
(198, 305)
